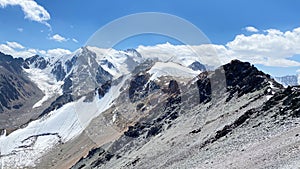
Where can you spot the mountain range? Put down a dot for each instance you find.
(103, 108)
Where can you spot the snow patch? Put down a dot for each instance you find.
(171, 69)
(46, 82)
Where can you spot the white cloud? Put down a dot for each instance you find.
(270, 48)
(15, 45)
(57, 52)
(75, 40)
(251, 29)
(25, 53)
(207, 53)
(58, 38)
(274, 48)
(17, 50)
(31, 9)
(20, 29)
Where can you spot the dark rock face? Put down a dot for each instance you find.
(15, 88)
(67, 86)
(204, 87)
(102, 76)
(290, 99)
(140, 87)
(58, 71)
(11, 64)
(197, 66)
(103, 89)
(243, 78)
(107, 63)
(101, 157)
(37, 61)
(58, 103)
(70, 63)
(17, 93)
(174, 87)
(133, 52)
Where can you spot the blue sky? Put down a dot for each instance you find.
(74, 21)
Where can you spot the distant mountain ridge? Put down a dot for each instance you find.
(289, 80)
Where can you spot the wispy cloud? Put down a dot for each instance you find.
(15, 45)
(20, 29)
(58, 38)
(251, 29)
(74, 40)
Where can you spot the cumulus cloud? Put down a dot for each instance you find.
(273, 48)
(31, 9)
(251, 29)
(58, 38)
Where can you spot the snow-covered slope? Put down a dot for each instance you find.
(25, 146)
(116, 62)
(46, 82)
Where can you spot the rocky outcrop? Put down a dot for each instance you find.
(140, 87)
(243, 78)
